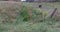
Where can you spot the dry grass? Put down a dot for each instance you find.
(10, 10)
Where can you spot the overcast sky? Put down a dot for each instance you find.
(23, 0)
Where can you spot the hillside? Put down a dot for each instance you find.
(25, 17)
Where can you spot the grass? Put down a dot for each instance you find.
(22, 23)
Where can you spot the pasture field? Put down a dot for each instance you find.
(27, 17)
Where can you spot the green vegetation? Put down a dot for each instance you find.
(37, 23)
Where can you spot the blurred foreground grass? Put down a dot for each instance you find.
(23, 23)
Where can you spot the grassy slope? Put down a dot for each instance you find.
(48, 25)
